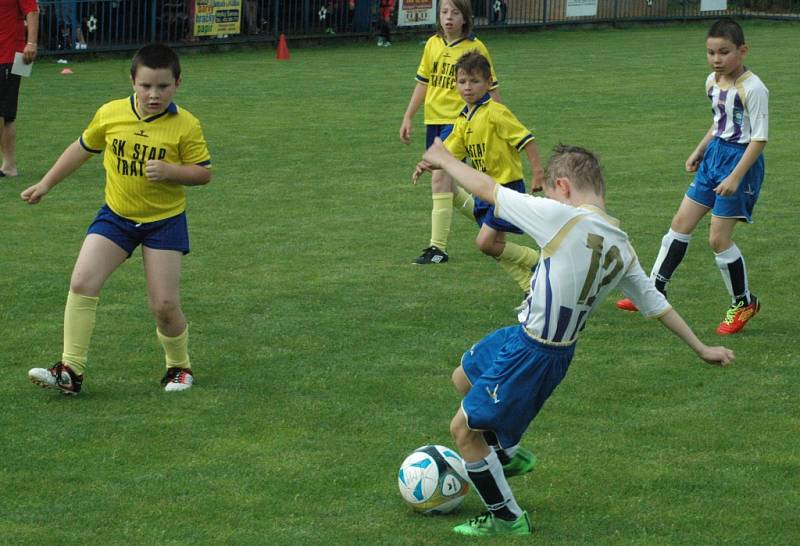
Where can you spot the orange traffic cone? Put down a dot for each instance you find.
(66, 71)
(283, 49)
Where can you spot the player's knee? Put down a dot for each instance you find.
(460, 381)
(84, 285)
(440, 183)
(491, 249)
(166, 310)
(485, 244)
(719, 243)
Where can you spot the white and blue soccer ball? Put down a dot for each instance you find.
(432, 480)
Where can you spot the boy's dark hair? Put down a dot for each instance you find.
(465, 7)
(156, 56)
(473, 62)
(579, 165)
(729, 29)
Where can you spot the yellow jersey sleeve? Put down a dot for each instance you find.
(192, 147)
(425, 64)
(509, 128)
(455, 140)
(93, 138)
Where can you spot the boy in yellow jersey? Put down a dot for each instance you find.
(436, 89)
(152, 149)
(492, 137)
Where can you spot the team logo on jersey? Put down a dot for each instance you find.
(493, 394)
(141, 133)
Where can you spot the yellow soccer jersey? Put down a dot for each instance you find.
(129, 141)
(492, 137)
(437, 71)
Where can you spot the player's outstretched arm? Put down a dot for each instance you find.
(186, 175)
(70, 161)
(479, 184)
(719, 356)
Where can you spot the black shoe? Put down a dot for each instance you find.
(431, 255)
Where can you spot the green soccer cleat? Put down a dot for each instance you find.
(521, 463)
(487, 525)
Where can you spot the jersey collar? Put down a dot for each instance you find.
(592, 208)
(171, 109)
(470, 36)
(466, 112)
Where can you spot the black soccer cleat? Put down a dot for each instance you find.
(431, 255)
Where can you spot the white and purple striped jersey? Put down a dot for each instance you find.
(741, 111)
(585, 255)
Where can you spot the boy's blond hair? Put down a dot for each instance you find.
(579, 165)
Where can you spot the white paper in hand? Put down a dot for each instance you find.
(19, 67)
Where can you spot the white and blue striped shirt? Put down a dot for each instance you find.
(741, 111)
(585, 255)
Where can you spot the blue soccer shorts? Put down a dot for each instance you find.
(167, 234)
(719, 160)
(442, 131)
(512, 375)
(484, 212)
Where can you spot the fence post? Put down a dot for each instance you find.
(152, 21)
(275, 15)
(544, 13)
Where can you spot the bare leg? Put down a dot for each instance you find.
(490, 241)
(688, 215)
(163, 272)
(441, 182)
(98, 259)
(8, 147)
(720, 235)
(471, 444)
(461, 381)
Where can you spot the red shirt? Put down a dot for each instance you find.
(12, 27)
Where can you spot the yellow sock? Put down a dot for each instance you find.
(518, 260)
(176, 349)
(464, 203)
(441, 217)
(79, 315)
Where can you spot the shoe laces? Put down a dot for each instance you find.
(174, 375)
(170, 376)
(481, 519)
(730, 315)
(60, 370)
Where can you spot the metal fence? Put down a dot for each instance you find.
(74, 28)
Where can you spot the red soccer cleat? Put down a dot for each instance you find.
(626, 305)
(737, 316)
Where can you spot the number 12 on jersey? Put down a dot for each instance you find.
(612, 264)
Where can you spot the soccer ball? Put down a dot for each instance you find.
(432, 480)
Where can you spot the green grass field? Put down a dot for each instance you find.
(323, 357)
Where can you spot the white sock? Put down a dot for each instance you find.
(734, 273)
